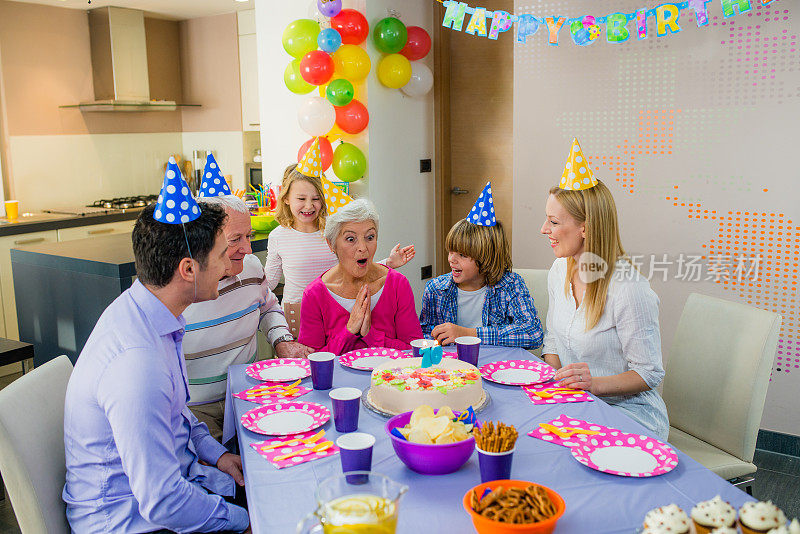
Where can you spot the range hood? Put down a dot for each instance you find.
(119, 63)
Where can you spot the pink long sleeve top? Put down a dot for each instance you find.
(323, 321)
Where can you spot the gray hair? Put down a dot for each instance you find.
(359, 210)
(226, 202)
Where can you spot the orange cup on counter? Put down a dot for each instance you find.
(12, 209)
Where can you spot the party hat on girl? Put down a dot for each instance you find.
(175, 204)
(482, 213)
(577, 175)
(311, 164)
(335, 197)
(214, 184)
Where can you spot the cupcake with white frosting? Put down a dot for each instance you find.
(668, 518)
(725, 530)
(760, 517)
(793, 528)
(712, 514)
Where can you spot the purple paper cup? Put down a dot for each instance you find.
(495, 465)
(345, 408)
(355, 452)
(322, 369)
(468, 348)
(419, 344)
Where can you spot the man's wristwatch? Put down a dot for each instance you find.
(284, 337)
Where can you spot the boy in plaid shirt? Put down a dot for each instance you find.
(480, 296)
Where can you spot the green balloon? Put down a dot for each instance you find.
(390, 35)
(300, 37)
(340, 92)
(294, 81)
(349, 162)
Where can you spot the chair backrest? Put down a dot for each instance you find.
(32, 460)
(536, 280)
(718, 372)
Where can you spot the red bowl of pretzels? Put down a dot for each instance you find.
(513, 507)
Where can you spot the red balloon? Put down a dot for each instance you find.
(325, 150)
(418, 44)
(316, 67)
(352, 25)
(353, 117)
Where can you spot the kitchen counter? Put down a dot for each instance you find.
(63, 288)
(38, 222)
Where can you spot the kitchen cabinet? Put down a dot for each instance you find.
(9, 311)
(96, 230)
(248, 70)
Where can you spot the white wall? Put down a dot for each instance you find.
(400, 133)
(227, 149)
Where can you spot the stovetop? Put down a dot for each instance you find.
(108, 205)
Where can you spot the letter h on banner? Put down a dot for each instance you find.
(454, 16)
(743, 5)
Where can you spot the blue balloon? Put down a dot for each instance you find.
(329, 40)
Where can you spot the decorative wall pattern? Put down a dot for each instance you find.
(695, 135)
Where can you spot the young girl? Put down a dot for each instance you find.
(481, 296)
(296, 249)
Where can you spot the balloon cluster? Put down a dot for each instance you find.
(332, 60)
(403, 46)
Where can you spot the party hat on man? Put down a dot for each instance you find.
(482, 213)
(311, 164)
(175, 204)
(335, 197)
(577, 175)
(214, 184)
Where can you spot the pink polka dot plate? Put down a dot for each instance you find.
(517, 372)
(285, 418)
(369, 359)
(627, 455)
(279, 369)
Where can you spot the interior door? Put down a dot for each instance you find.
(474, 94)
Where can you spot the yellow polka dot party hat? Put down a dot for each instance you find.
(577, 175)
(335, 198)
(311, 164)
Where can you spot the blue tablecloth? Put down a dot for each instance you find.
(596, 502)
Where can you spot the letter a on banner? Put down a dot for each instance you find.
(454, 16)
(728, 7)
(477, 23)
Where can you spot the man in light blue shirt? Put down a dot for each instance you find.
(133, 448)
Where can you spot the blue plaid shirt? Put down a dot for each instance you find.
(508, 316)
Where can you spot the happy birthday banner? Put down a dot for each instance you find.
(584, 30)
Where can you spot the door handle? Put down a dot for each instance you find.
(459, 191)
(103, 231)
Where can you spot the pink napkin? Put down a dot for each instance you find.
(531, 392)
(271, 397)
(294, 460)
(575, 439)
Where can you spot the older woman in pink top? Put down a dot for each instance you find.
(358, 303)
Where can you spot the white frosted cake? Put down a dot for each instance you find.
(401, 385)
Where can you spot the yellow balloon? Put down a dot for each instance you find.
(394, 71)
(352, 63)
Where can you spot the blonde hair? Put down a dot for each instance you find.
(595, 208)
(283, 213)
(487, 245)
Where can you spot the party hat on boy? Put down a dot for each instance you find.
(175, 204)
(214, 184)
(482, 213)
(335, 197)
(577, 175)
(311, 164)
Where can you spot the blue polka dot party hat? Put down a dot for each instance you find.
(577, 175)
(175, 204)
(482, 213)
(213, 184)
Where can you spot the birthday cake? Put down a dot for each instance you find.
(401, 385)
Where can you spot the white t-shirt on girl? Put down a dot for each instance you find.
(300, 257)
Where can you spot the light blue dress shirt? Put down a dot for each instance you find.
(132, 446)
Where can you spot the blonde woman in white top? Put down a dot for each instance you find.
(602, 323)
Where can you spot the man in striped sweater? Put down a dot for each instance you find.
(222, 332)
